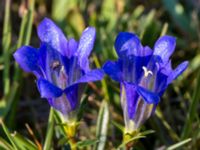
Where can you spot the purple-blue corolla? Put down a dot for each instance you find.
(144, 75)
(61, 65)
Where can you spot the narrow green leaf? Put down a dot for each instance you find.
(29, 23)
(4, 144)
(194, 64)
(108, 13)
(18, 141)
(82, 107)
(24, 39)
(82, 144)
(172, 133)
(102, 126)
(119, 126)
(62, 141)
(164, 29)
(65, 6)
(146, 21)
(192, 110)
(49, 132)
(8, 135)
(103, 82)
(146, 132)
(179, 144)
(76, 21)
(25, 33)
(137, 11)
(59, 123)
(6, 105)
(6, 47)
(131, 140)
(23, 143)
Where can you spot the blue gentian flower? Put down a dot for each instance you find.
(144, 75)
(61, 65)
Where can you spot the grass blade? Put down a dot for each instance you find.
(102, 126)
(192, 110)
(24, 38)
(5, 145)
(6, 46)
(49, 133)
(5, 129)
(23, 142)
(29, 26)
(179, 144)
(103, 81)
(164, 29)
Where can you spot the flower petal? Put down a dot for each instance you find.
(143, 112)
(73, 70)
(27, 58)
(61, 104)
(160, 83)
(112, 68)
(148, 96)
(47, 89)
(147, 51)
(73, 91)
(93, 75)
(132, 67)
(130, 98)
(162, 73)
(72, 46)
(85, 46)
(178, 71)
(128, 44)
(53, 65)
(72, 95)
(49, 33)
(164, 47)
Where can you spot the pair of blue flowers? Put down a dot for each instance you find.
(62, 69)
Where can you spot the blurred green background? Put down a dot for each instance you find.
(176, 122)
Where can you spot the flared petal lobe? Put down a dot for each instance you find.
(127, 44)
(113, 69)
(90, 76)
(47, 89)
(148, 96)
(51, 34)
(85, 46)
(27, 58)
(72, 47)
(164, 47)
(178, 71)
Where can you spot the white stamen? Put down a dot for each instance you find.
(62, 69)
(147, 72)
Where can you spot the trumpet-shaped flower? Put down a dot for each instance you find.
(144, 75)
(61, 65)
